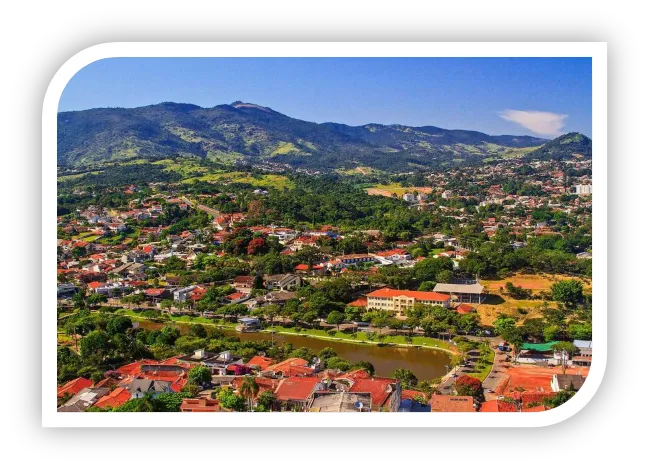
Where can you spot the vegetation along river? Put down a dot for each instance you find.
(423, 362)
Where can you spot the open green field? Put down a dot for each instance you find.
(273, 181)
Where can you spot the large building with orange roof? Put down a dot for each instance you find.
(399, 301)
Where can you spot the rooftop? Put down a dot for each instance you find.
(474, 288)
(439, 403)
(418, 295)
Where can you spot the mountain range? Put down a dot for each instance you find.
(252, 134)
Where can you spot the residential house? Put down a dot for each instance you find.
(114, 399)
(260, 362)
(201, 404)
(278, 297)
(243, 281)
(283, 282)
(399, 301)
(564, 382)
(353, 259)
(445, 403)
(340, 402)
(139, 387)
(83, 400)
(72, 387)
(291, 367)
(218, 362)
(183, 294)
(295, 392)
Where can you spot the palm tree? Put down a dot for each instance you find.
(249, 389)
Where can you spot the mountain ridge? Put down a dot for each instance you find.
(253, 133)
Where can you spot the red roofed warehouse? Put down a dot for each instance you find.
(399, 301)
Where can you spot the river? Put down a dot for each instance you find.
(423, 362)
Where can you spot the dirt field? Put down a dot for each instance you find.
(498, 302)
(533, 378)
(382, 192)
(536, 283)
(388, 190)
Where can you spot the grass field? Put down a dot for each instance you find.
(273, 181)
(498, 302)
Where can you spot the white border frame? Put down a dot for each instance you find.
(596, 50)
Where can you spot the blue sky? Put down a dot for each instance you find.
(534, 96)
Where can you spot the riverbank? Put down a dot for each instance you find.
(359, 338)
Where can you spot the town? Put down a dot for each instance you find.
(188, 293)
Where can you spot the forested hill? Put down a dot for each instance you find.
(572, 144)
(254, 134)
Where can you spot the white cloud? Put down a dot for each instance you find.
(539, 122)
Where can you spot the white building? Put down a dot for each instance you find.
(409, 197)
(583, 189)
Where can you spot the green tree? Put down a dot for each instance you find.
(336, 317)
(167, 304)
(327, 353)
(364, 365)
(427, 286)
(428, 269)
(249, 389)
(96, 298)
(407, 377)
(569, 292)
(565, 350)
(550, 333)
(118, 325)
(381, 320)
(169, 401)
(503, 324)
(143, 404)
(445, 276)
(265, 401)
(95, 347)
(337, 363)
(200, 375)
(229, 400)
(197, 330)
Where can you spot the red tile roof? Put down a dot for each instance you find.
(201, 404)
(439, 403)
(265, 384)
(286, 367)
(296, 388)
(464, 309)
(261, 362)
(359, 303)
(411, 394)
(73, 387)
(498, 406)
(302, 267)
(380, 388)
(115, 399)
(418, 295)
(154, 291)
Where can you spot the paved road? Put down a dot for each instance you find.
(497, 373)
(490, 382)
